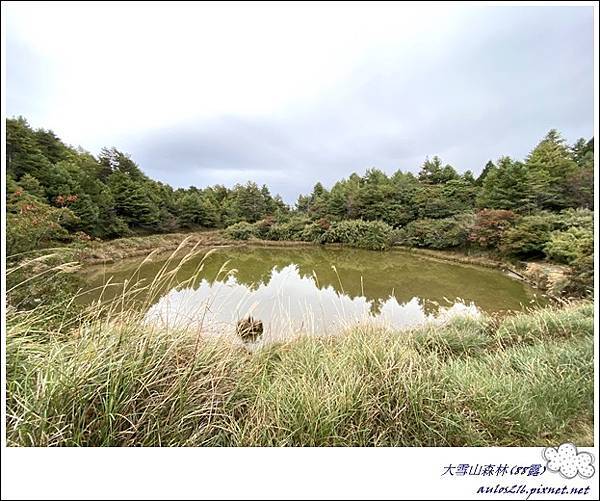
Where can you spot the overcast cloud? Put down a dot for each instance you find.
(291, 94)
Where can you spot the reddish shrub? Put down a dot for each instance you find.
(490, 225)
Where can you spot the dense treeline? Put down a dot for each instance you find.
(57, 193)
(539, 208)
(553, 177)
(536, 208)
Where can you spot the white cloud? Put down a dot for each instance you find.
(142, 65)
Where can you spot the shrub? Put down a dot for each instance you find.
(291, 230)
(575, 247)
(529, 236)
(315, 231)
(581, 218)
(374, 235)
(580, 280)
(241, 231)
(567, 246)
(33, 224)
(489, 227)
(436, 233)
(263, 227)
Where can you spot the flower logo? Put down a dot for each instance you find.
(568, 462)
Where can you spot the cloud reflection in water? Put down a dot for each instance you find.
(290, 305)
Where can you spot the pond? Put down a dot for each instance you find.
(307, 290)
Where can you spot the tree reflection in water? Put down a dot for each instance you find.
(315, 289)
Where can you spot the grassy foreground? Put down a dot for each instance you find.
(111, 381)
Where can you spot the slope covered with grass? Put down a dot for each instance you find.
(110, 380)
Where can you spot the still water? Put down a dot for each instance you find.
(313, 290)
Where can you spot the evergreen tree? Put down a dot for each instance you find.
(32, 186)
(551, 167)
(506, 187)
(133, 201)
(87, 213)
(468, 178)
(582, 152)
(484, 173)
(432, 172)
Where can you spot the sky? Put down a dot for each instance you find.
(289, 94)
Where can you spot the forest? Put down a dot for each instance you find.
(540, 207)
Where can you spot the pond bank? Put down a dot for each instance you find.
(111, 251)
(544, 276)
